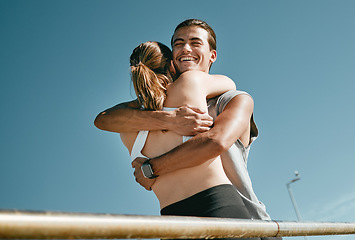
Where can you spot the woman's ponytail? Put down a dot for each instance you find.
(149, 72)
(150, 87)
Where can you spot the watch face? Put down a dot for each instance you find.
(147, 170)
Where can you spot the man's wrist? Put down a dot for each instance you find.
(168, 118)
(147, 170)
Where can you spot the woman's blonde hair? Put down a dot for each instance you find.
(150, 73)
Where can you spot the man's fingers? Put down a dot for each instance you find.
(190, 120)
(137, 162)
(146, 183)
(197, 113)
(140, 179)
(202, 114)
(135, 173)
(201, 129)
(195, 109)
(205, 116)
(206, 123)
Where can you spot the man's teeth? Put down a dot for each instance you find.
(186, 59)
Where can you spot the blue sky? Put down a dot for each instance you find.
(62, 62)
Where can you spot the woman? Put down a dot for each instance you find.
(203, 190)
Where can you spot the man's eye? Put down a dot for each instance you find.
(196, 43)
(178, 44)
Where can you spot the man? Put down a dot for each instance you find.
(194, 48)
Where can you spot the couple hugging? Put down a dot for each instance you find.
(191, 152)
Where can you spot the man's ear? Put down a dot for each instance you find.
(172, 68)
(213, 56)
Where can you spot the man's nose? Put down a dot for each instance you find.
(187, 48)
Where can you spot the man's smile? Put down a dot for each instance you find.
(187, 58)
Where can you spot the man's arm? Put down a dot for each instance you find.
(230, 125)
(128, 117)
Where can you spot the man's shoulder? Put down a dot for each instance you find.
(222, 100)
(227, 96)
(133, 104)
(217, 104)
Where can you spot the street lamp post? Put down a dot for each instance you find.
(293, 200)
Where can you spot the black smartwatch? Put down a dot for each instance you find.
(147, 170)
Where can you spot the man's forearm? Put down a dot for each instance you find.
(127, 117)
(191, 153)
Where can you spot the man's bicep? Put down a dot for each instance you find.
(116, 117)
(113, 110)
(134, 104)
(234, 121)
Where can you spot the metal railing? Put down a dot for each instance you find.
(44, 225)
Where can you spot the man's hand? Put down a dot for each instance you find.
(144, 182)
(190, 121)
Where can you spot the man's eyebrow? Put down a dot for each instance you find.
(195, 38)
(178, 39)
(191, 39)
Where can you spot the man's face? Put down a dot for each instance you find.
(191, 50)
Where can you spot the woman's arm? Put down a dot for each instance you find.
(193, 87)
(210, 85)
(217, 85)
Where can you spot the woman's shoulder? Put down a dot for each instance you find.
(194, 79)
(199, 75)
(193, 75)
(189, 79)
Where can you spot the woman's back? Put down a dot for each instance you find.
(190, 88)
(186, 90)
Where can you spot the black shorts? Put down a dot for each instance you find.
(220, 201)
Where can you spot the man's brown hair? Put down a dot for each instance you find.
(202, 24)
